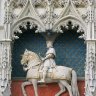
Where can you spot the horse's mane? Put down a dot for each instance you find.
(29, 55)
(33, 55)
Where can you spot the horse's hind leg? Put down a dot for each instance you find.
(62, 89)
(34, 82)
(65, 83)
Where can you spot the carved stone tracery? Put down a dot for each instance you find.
(55, 15)
(58, 3)
(24, 24)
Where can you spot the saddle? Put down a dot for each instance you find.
(54, 73)
(63, 73)
(49, 70)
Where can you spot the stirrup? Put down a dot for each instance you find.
(42, 81)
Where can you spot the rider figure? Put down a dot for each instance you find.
(48, 61)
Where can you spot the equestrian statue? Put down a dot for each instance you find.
(44, 69)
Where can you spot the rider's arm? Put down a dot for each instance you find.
(50, 55)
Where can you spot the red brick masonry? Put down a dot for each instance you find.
(44, 90)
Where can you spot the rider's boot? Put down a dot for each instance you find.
(44, 76)
(42, 80)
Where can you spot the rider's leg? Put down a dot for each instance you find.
(44, 73)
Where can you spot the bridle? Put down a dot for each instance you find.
(33, 67)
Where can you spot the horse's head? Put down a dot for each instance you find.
(25, 56)
(29, 56)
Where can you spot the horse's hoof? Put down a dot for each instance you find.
(25, 94)
(56, 95)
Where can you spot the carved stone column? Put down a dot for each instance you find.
(90, 69)
(5, 68)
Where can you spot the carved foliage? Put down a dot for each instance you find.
(49, 17)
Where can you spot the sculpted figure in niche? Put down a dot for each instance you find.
(48, 61)
(65, 77)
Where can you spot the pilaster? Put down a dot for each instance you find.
(2, 12)
(90, 67)
(5, 68)
(7, 20)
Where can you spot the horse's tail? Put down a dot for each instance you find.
(75, 90)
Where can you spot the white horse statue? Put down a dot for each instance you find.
(66, 77)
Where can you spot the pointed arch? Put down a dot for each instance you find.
(70, 13)
(23, 22)
(75, 21)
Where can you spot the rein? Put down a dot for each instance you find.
(33, 67)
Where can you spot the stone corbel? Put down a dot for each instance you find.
(50, 39)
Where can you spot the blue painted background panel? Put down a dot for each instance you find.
(31, 41)
(71, 52)
(69, 49)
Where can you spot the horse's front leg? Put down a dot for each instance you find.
(23, 87)
(34, 82)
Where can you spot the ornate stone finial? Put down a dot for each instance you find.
(49, 2)
(91, 2)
